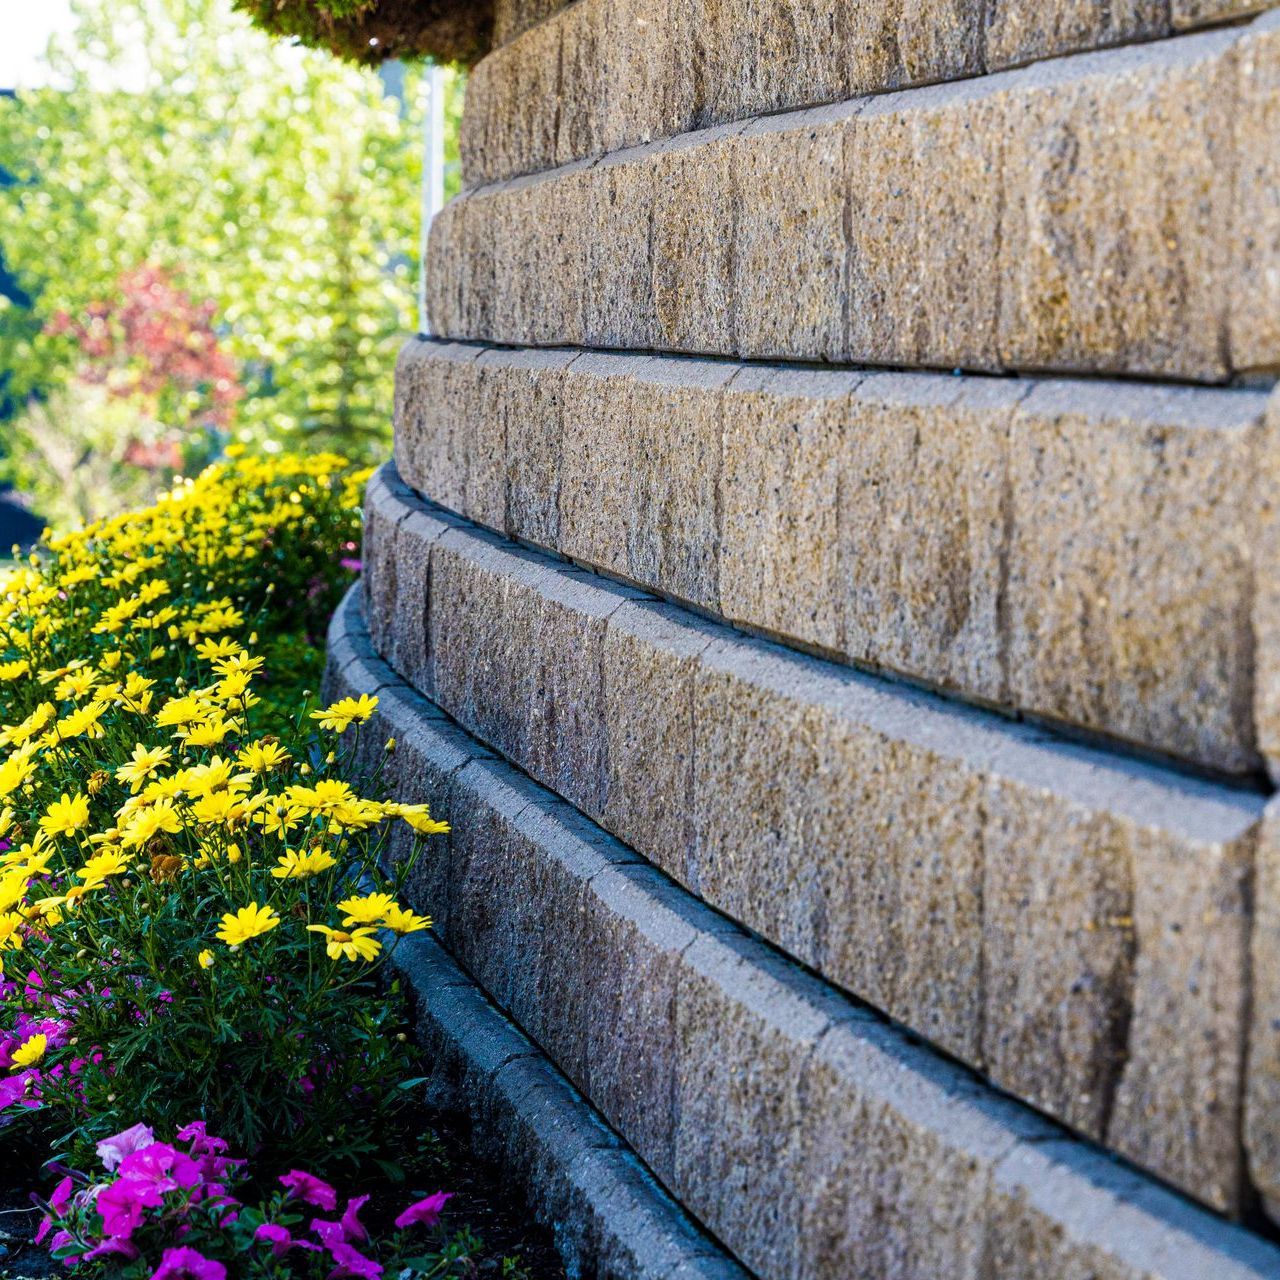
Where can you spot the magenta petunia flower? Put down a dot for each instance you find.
(351, 1262)
(111, 1151)
(350, 1222)
(184, 1263)
(311, 1189)
(426, 1212)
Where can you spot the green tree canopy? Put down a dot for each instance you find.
(273, 182)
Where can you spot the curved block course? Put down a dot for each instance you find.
(601, 75)
(1072, 924)
(924, 228)
(1084, 552)
(812, 1138)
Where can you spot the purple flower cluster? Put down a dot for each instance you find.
(158, 1198)
(151, 1180)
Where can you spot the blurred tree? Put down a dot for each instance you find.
(273, 183)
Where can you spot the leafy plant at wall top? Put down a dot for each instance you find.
(371, 31)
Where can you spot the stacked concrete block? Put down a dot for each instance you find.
(1084, 552)
(929, 227)
(810, 1136)
(835, 526)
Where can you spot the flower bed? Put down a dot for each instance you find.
(194, 907)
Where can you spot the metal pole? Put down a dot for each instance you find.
(432, 177)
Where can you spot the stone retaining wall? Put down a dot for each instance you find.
(940, 656)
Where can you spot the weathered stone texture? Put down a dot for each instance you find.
(1115, 244)
(1073, 215)
(1262, 1112)
(1073, 925)
(606, 74)
(1085, 552)
(1255, 278)
(809, 1136)
(1265, 510)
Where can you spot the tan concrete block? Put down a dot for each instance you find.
(691, 249)
(1057, 912)
(618, 209)
(436, 403)
(1177, 1108)
(897, 1156)
(923, 169)
(874, 879)
(1262, 1102)
(638, 927)
(743, 1037)
(1113, 253)
(512, 17)
(596, 459)
(1200, 13)
(650, 661)
(1023, 30)
(1130, 572)
(922, 527)
(1255, 264)
(1264, 503)
(784, 446)
(788, 247)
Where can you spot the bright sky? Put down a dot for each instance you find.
(25, 28)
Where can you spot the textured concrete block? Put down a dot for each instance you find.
(787, 277)
(384, 508)
(514, 869)
(638, 928)
(1255, 274)
(649, 663)
(783, 436)
(1024, 30)
(1262, 1109)
(874, 876)
(1095, 558)
(743, 1038)
(922, 528)
(897, 1158)
(1114, 250)
(516, 655)
(1179, 1100)
(640, 471)
(924, 167)
(1057, 918)
(436, 418)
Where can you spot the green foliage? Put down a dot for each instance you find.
(272, 182)
(370, 31)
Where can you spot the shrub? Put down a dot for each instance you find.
(192, 905)
(371, 31)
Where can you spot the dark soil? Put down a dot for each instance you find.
(493, 1212)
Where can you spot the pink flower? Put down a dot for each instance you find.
(61, 1196)
(121, 1205)
(311, 1189)
(351, 1225)
(351, 1262)
(426, 1212)
(111, 1151)
(281, 1239)
(184, 1263)
(202, 1144)
(352, 566)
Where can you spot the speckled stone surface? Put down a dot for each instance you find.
(1084, 551)
(1073, 215)
(1072, 923)
(806, 1133)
